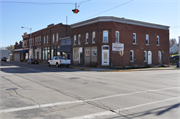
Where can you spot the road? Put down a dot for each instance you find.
(41, 92)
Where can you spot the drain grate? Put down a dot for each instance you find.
(12, 89)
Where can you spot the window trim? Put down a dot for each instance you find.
(135, 38)
(74, 39)
(107, 36)
(147, 39)
(132, 56)
(157, 40)
(145, 56)
(117, 36)
(93, 36)
(87, 37)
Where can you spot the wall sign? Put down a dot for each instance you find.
(117, 47)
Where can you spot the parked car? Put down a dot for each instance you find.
(4, 59)
(170, 57)
(58, 60)
(33, 61)
(175, 57)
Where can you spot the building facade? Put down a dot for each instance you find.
(45, 43)
(98, 42)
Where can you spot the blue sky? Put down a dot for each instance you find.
(15, 15)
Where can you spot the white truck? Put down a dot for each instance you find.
(58, 60)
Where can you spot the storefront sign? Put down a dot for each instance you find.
(117, 47)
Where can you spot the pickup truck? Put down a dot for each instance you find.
(58, 60)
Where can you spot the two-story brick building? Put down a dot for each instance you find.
(99, 40)
(46, 43)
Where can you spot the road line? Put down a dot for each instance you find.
(77, 101)
(108, 113)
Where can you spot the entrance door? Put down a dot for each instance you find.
(149, 57)
(105, 55)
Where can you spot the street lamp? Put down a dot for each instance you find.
(30, 37)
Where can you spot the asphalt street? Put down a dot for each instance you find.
(41, 92)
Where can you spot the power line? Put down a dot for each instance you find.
(111, 8)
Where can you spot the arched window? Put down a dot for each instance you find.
(131, 55)
(145, 56)
(93, 37)
(117, 36)
(87, 36)
(159, 56)
(79, 39)
(105, 36)
(134, 38)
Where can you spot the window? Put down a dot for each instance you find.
(134, 38)
(147, 39)
(159, 55)
(145, 56)
(93, 37)
(47, 38)
(74, 39)
(57, 37)
(117, 36)
(87, 53)
(157, 40)
(87, 38)
(76, 53)
(131, 55)
(105, 36)
(79, 39)
(94, 52)
(53, 38)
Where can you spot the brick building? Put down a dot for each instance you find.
(98, 41)
(46, 43)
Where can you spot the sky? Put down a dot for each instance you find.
(37, 14)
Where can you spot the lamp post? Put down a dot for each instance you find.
(30, 38)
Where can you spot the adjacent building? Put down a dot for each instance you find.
(119, 42)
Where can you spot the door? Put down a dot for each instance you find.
(105, 55)
(149, 57)
(16, 57)
(37, 56)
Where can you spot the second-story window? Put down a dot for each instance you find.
(157, 40)
(87, 36)
(117, 36)
(134, 38)
(93, 37)
(74, 39)
(147, 39)
(53, 38)
(79, 39)
(47, 38)
(57, 37)
(105, 36)
(44, 39)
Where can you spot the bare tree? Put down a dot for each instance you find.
(2, 48)
(10, 48)
(172, 42)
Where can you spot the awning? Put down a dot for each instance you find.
(24, 51)
(65, 48)
(17, 51)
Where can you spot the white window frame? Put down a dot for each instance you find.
(87, 36)
(57, 37)
(79, 39)
(93, 36)
(105, 31)
(145, 56)
(47, 38)
(147, 39)
(135, 38)
(159, 55)
(157, 40)
(117, 36)
(132, 56)
(74, 39)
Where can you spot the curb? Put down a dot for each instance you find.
(118, 70)
(82, 68)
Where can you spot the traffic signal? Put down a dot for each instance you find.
(75, 11)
